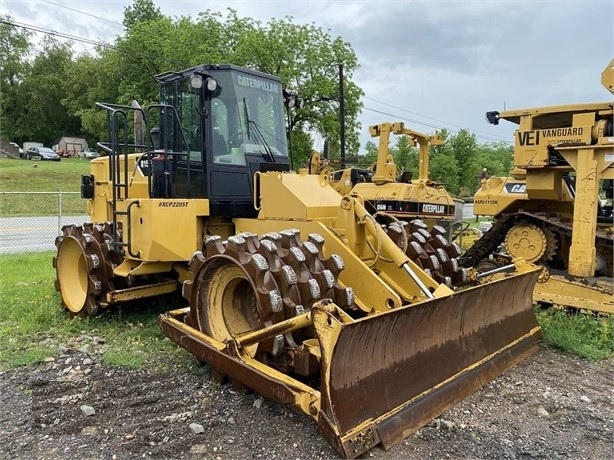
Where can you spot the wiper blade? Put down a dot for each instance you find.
(268, 151)
(258, 136)
(246, 113)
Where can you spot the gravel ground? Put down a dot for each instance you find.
(552, 406)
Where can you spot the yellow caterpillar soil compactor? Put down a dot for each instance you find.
(293, 289)
(384, 189)
(549, 210)
(431, 217)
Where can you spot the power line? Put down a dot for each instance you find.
(399, 117)
(427, 117)
(57, 34)
(90, 42)
(83, 12)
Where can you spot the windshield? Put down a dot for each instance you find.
(247, 115)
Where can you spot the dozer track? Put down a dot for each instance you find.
(495, 236)
(270, 314)
(556, 285)
(488, 243)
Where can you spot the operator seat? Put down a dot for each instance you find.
(220, 146)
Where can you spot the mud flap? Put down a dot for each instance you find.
(387, 375)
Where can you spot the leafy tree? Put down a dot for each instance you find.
(444, 169)
(406, 155)
(14, 50)
(464, 147)
(305, 57)
(370, 157)
(143, 53)
(301, 142)
(496, 157)
(45, 118)
(91, 80)
(141, 11)
(443, 165)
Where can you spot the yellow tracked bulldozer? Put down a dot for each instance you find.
(292, 289)
(549, 210)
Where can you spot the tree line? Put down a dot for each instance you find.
(49, 90)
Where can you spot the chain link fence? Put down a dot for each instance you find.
(30, 221)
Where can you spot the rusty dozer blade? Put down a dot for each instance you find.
(386, 375)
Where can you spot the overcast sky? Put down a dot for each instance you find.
(431, 64)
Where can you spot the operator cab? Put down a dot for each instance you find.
(219, 124)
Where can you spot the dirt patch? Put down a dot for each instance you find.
(551, 406)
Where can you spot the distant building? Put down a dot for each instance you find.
(70, 145)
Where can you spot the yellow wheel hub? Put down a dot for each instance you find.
(248, 282)
(527, 241)
(72, 275)
(84, 266)
(229, 304)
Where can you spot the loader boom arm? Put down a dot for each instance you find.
(383, 130)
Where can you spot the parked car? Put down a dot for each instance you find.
(42, 153)
(89, 153)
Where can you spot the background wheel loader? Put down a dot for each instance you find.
(293, 289)
(549, 210)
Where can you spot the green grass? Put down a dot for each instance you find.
(33, 326)
(28, 204)
(48, 176)
(584, 334)
(42, 176)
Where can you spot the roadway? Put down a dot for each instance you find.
(32, 234)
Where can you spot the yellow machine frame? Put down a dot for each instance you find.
(580, 134)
